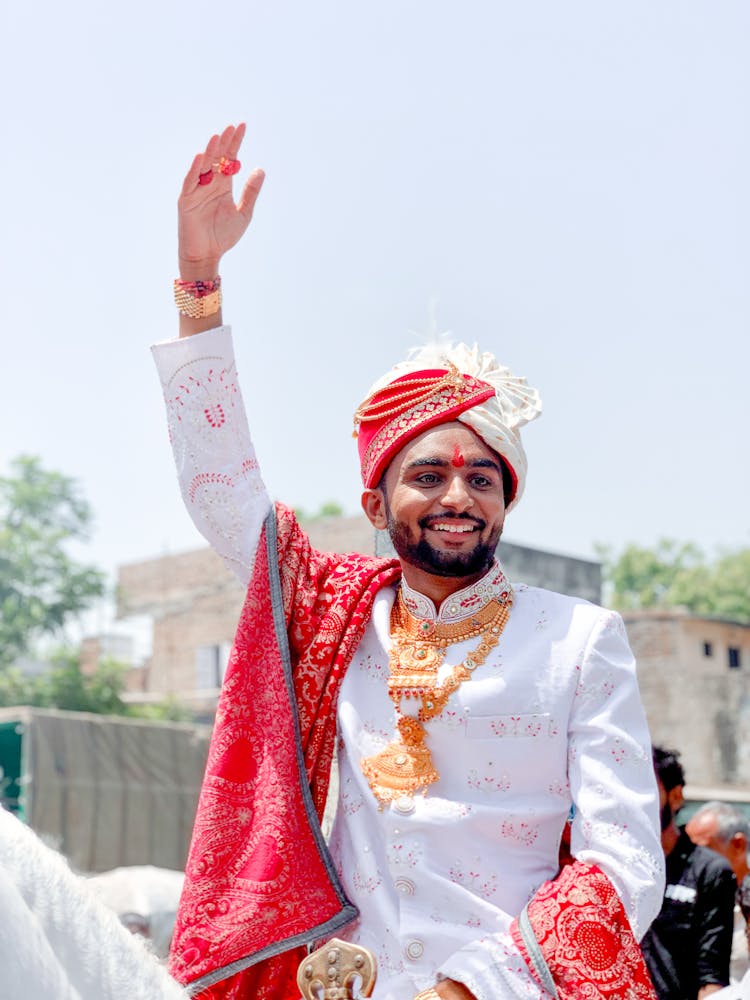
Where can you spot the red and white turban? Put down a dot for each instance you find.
(437, 384)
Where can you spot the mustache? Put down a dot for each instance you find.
(429, 519)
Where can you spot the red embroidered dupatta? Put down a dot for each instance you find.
(259, 881)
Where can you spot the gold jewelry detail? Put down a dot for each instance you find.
(419, 650)
(405, 765)
(413, 392)
(429, 994)
(197, 307)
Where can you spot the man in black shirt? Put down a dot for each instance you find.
(687, 947)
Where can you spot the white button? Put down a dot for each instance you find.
(404, 805)
(414, 950)
(405, 886)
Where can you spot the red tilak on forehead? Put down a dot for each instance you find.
(458, 459)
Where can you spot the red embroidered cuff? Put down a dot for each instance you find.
(577, 928)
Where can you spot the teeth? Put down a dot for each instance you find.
(455, 529)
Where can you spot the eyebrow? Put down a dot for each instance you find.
(441, 463)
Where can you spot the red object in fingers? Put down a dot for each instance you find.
(229, 167)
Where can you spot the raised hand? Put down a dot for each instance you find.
(209, 221)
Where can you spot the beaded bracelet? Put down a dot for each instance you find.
(198, 299)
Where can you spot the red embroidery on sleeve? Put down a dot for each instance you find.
(585, 938)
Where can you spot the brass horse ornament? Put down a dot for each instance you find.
(331, 972)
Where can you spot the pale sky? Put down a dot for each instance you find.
(564, 183)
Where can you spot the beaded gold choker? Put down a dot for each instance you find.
(405, 766)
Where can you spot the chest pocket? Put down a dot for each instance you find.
(539, 726)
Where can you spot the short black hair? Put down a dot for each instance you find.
(668, 767)
(507, 481)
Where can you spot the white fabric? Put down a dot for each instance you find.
(145, 891)
(738, 991)
(553, 717)
(740, 960)
(498, 420)
(216, 464)
(57, 941)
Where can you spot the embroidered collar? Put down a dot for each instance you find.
(493, 585)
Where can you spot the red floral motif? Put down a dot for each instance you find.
(208, 479)
(585, 938)
(214, 414)
(522, 832)
(254, 876)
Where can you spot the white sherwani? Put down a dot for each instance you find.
(551, 720)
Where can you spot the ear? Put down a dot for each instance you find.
(373, 504)
(675, 798)
(738, 842)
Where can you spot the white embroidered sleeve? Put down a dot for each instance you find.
(492, 969)
(216, 465)
(616, 822)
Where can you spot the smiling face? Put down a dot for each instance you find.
(442, 502)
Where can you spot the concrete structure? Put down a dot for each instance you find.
(694, 675)
(195, 603)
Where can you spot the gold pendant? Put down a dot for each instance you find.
(403, 767)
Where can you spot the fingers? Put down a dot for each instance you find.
(202, 163)
(235, 141)
(250, 193)
(191, 178)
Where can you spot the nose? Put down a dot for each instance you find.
(457, 495)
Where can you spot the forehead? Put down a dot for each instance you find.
(706, 825)
(442, 443)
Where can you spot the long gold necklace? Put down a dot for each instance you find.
(405, 766)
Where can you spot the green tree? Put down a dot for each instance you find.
(678, 574)
(41, 585)
(65, 686)
(330, 508)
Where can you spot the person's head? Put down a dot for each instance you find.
(724, 829)
(442, 459)
(670, 779)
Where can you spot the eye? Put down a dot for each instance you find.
(481, 482)
(428, 479)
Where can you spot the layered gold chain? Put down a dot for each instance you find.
(419, 650)
(405, 765)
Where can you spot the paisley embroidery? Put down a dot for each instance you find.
(254, 876)
(584, 936)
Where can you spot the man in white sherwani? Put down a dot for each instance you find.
(470, 716)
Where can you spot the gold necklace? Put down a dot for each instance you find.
(405, 765)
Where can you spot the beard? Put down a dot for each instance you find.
(665, 816)
(422, 555)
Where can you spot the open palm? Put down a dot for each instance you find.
(210, 223)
